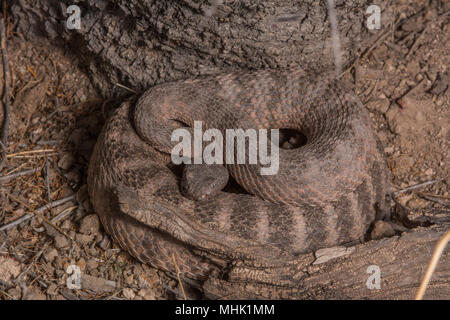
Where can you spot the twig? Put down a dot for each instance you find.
(16, 169)
(35, 156)
(13, 155)
(4, 293)
(380, 40)
(125, 87)
(35, 258)
(10, 177)
(416, 186)
(7, 107)
(47, 184)
(417, 42)
(440, 246)
(440, 196)
(53, 222)
(366, 52)
(28, 216)
(178, 276)
(63, 214)
(49, 142)
(433, 198)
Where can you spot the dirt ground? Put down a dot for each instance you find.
(57, 114)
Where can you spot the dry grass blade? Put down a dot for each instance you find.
(125, 87)
(10, 177)
(23, 153)
(178, 276)
(440, 246)
(28, 216)
(417, 186)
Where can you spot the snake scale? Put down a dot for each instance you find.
(326, 192)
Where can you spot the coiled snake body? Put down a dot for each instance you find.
(326, 192)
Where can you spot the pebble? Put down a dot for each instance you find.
(84, 239)
(90, 225)
(417, 203)
(380, 105)
(34, 293)
(91, 264)
(97, 284)
(147, 294)
(381, 230)
(82, 264)
(9, 268)
(52, 289)
(15, 293)
(61, 242)
(66, 162)
(105, 243)
(128, 293)
(389, 150)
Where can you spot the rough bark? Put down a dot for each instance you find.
(402, 261)
(140, 43)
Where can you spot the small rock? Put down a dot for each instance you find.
(87, 205)
(66, 162)
(74, 176)
(15, 293)
(52, 289)
(97, 284)
(441, 84)
(66, 225)
(109, 253)
(90, 225)
(128, 293)
(91, 264)
(82, 264)
(380, 105)
(147, 294)
(105, 243)
(66, 191)
(9, 268)
(58, 263)
(417, 203)
(389, 150)
(381, 230)
(389, 66)
(93, 251)
(84, 238)
(61, 242)
(34, 293)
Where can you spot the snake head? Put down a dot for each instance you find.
(201, 181)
